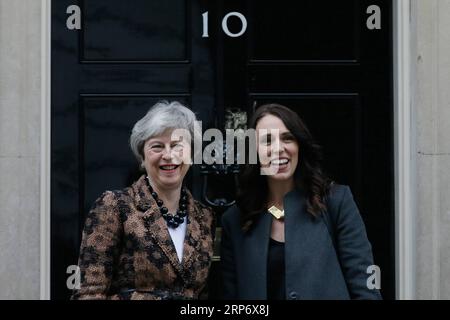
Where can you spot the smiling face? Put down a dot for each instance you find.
(278, 149)
(165, 160)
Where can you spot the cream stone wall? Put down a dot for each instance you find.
(20, 99)
(431, 105)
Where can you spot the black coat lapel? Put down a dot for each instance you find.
(155, 223)
(303, 236)
(256, 249)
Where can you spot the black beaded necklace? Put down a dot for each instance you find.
(173, 221)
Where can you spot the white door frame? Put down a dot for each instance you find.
(404, 164)
(45, 149)
(404, 152)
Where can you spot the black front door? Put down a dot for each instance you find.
(317, 57)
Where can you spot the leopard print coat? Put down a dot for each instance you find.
(127, 252)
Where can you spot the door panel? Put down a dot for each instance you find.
(147, 31)
(304, 30)
(336, 114)
(107, 122)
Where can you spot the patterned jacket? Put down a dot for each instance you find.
(127, 252)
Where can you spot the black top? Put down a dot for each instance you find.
(275, 271)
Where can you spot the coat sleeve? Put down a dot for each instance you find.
(99, 248)
(211, 216)
(228, 266)
(354, 248)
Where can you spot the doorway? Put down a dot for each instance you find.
(317, 57)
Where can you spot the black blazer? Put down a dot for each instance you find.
(313, 269)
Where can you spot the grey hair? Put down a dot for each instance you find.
(162, 116)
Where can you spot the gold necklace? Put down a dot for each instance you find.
(277, 213)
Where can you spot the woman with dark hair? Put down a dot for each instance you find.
(293, 234)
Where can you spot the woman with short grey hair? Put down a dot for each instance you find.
(151, 240)
(161, 117)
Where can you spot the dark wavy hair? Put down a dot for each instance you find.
(252, 196)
